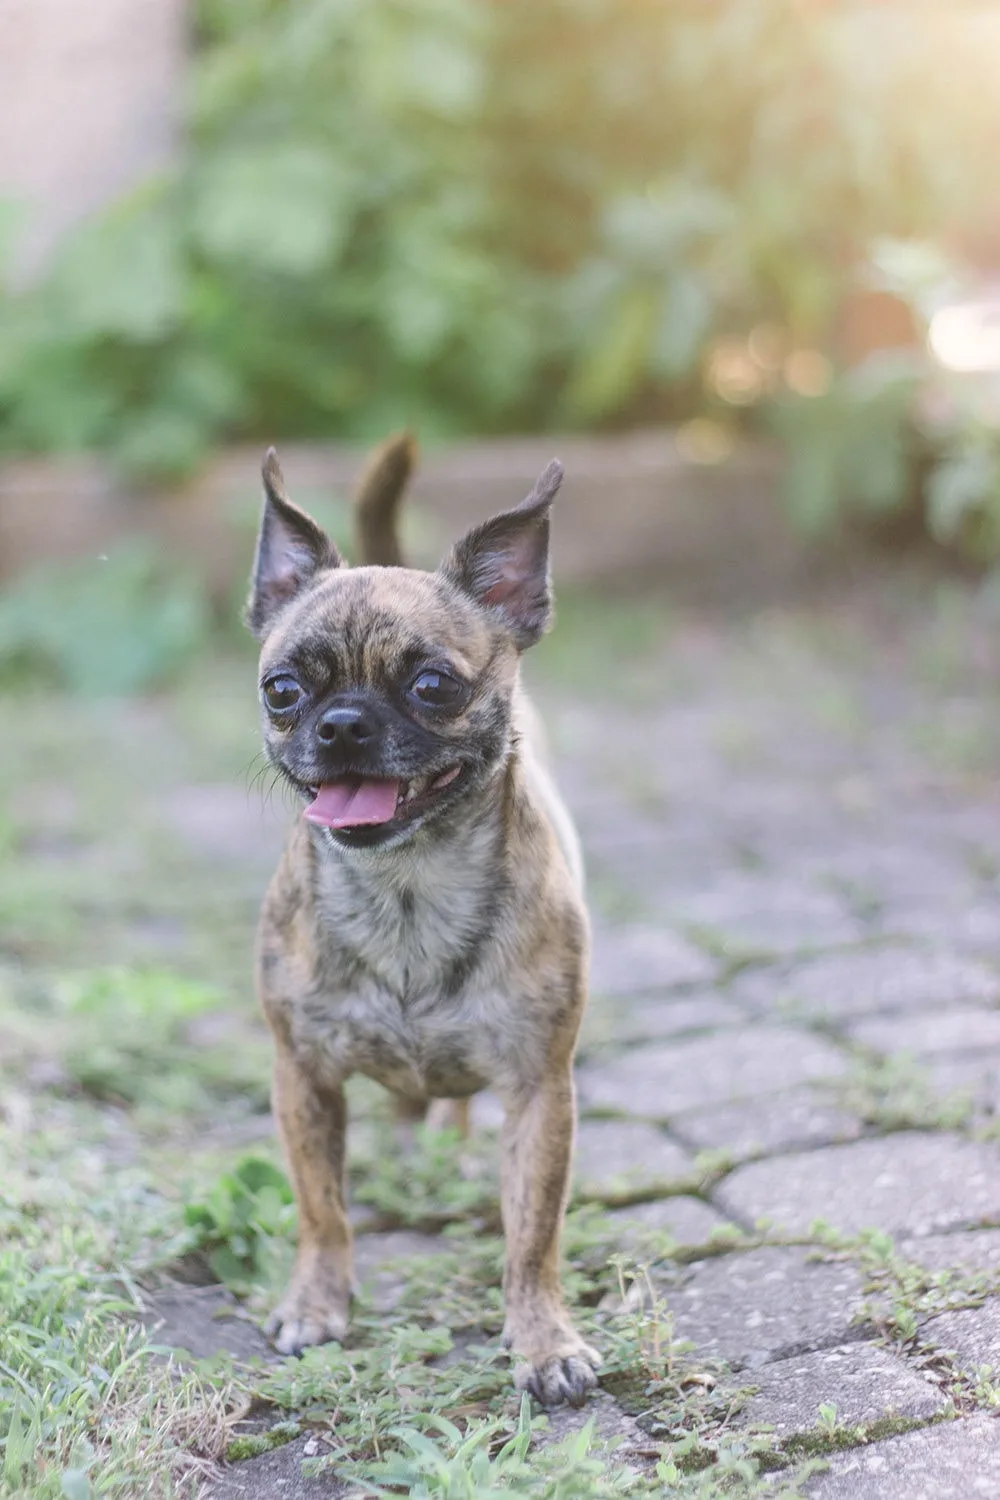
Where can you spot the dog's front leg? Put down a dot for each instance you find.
(536, 1154)
(312, 1120)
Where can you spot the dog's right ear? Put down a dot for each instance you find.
(291, 550)
(504, 563)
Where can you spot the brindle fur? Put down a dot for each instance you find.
(452, 957)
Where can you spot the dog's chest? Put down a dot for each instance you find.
(413, 1000)
(427, 1047)
(415, 926)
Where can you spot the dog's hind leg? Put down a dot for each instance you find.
(449, 1114)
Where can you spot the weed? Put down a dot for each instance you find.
(461, 1466)
(828, 1421)
(901, 1293)
(441, 1178)
(894, 1093)
(244, 1225)
(358, 1392)
(986, 1387)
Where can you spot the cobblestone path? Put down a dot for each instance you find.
(794, 857)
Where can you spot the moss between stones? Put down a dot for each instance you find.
(253, 1444)
(820, 1444)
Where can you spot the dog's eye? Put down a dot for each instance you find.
(436, 689)
(281, 694)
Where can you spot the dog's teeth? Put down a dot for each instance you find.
(411, 792)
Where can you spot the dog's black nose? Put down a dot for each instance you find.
(346, 728)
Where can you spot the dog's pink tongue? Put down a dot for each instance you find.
(347, 804)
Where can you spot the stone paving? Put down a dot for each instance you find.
(842, 885)
(793, 850)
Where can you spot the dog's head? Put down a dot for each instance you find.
(387, 693)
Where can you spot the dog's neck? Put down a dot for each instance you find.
(420, 915)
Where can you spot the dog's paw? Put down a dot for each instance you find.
(560, 1368)
(308, 1314)
(561, 1378)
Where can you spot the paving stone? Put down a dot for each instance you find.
(974, 925)
(958, 1028)
(633, 958)
(911, 1182)
(204, 1320)
(769, 915)
(968, 1250)
(660, 1082)
(276, 1476)
(610, 1023)
(777, 1122)
(976, 1077)
(892, 865)
(754, 1306)
(618, 1156)
(687, 1221)
(949, 1461)
(866, 980)
(614, 1430)
(864, 1382)
(971, 1335)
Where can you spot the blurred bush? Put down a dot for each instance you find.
(907, 437)
(476, 217)
(102, 626)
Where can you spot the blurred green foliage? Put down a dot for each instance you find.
(902, 436)
(851, 447)
(124, 1028)
(102, 626)
(478, 217)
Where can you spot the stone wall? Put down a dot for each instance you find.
(631, 507)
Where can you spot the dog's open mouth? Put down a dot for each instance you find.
(365, 801)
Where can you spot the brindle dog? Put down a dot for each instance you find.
(425, 926)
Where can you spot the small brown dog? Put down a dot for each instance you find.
(425, 926)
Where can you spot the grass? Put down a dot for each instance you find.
(80, 1388)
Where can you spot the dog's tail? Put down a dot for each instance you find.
(376, 503)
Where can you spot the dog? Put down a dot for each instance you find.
(426, 925)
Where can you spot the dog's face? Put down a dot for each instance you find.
(386, 693)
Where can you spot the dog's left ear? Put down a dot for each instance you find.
(291, 550)
(504, 563)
